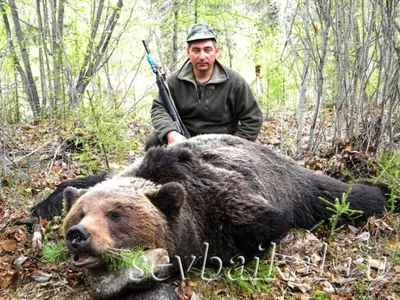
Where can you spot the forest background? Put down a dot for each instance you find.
(84, 60)
(73, 77)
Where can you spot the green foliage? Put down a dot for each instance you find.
(115, 259)
(86, 150)
(99, 134)
(276, 81)
(55, 253)
(390, 173)
(10, 104)
(361, 287)
(320, 295)
(266, 50)
(119, 259)
(340, 209)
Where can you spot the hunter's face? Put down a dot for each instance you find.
(202, 54)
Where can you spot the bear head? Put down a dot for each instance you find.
(120, 213)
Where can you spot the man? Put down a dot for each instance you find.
(209, 97)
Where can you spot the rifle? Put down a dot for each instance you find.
(166, 95)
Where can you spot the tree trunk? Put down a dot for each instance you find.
(94, 55)
(323, 13)
(45, 36)
(27, 78)
(196, 11)
(42, 55)
(304, 79)
(57, 22)
(174, 58)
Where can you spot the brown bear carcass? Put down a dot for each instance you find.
(222, 192)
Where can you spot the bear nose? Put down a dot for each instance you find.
(78, 239)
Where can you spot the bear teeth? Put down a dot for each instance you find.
(81, 257)
(85, 260)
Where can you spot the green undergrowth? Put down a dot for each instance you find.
(115, 259)
(389, 174)
(100, 135)
(56, 253)
(119, 259)
(340, 210)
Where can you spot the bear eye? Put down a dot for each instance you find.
(81, 215)
(113, 215)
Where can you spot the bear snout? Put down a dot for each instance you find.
(78, 239)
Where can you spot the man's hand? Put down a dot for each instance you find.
(174, 137)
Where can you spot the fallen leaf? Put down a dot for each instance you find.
(43, 222)
(20, 235)
(20, 260)
(359, 261)
(302, 287)
(192, 283)
(394, 241)
(221, 291)
(377, 264)
(397, 269)
(5, 278)
(41, 277)
(8, 245)
(315, 258)
(301, 296)
(347, 148)
(328, 287)
(394, 297)
(302, 271)
(353, 229)
(4, 266)
(72, 277)
(363, 237)
(195, 296)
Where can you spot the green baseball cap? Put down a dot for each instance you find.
(200, 32)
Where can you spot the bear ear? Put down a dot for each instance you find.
(72, 194)
(168, 199)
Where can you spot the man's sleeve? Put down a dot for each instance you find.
(248, 112)
(161, 120)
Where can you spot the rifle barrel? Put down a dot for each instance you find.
(164, 93)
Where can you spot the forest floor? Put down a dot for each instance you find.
(348, 263)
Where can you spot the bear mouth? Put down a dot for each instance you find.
(85, 260)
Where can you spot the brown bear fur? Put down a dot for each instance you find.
(236, 195)
(121, 196)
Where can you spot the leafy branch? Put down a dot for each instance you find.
(55, 253)
(340, 208)
(115, 259)
(119, 259)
